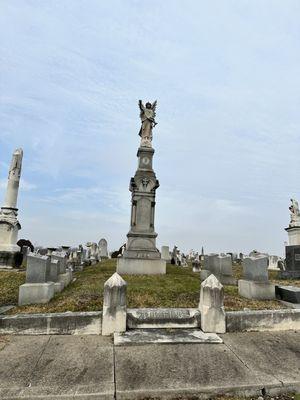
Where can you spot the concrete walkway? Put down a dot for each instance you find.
(90, 367)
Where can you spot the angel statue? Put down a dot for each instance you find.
(295, 213)
(147, 116)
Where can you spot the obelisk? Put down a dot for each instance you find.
(9, 224)
(141, 256)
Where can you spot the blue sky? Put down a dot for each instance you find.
(226, 77)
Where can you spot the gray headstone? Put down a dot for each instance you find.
(256, 268)
(38, 269)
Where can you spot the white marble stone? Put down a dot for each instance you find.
(9, 224)
(165, 254)
(35, 293)
(133, 266)
(256, 290)
(211, 306)
(114, 305)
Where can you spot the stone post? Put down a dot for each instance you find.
(212, 306)
(114, 305)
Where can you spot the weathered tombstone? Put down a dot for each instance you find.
(37, 289)
(114, 305)
(103, 253)
(65, 274)
(221, 267)
(273, 263)
(208, 266)
(255, 284)
(54, 276)
(211, 306)
(165, 254)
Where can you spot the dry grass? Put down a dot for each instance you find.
(178, 288)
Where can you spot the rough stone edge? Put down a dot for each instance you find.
(208, 391)
(68, 323)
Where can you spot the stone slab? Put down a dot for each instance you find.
(68, 323)
(186, 370)
(290, 294)
(262, 320)
(57, 367)
(163, 318)
(256, 290)
(156, 336)
(133, 266)
(271, 353)
(35, 293)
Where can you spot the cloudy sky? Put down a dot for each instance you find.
(226, 76)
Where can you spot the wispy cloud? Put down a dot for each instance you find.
(227, 145)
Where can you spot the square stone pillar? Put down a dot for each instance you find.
(211, 306)
(114, 305)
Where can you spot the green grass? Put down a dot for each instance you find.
(180, 287)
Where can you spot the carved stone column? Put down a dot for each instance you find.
(141, 255)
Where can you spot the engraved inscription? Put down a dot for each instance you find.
(163, 314)
(297, 257)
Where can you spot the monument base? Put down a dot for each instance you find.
(256, 290)
(35, 293)
(10, 260)
(134, 266)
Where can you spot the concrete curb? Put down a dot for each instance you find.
(90, 323)
(262, 320)
(68, 323)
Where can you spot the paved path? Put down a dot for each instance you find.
(90, 367)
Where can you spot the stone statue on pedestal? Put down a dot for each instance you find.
(141, 255)
(295, 213)
(147, 116)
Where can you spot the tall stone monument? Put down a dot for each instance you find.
(9, 225)
(141, 255)
(292, 251)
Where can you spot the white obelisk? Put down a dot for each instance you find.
(9, 224)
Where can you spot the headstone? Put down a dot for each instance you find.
(10, 255)
(255, 284)
(221, 267)
(38, 287)
(103, 248)
(141, 256)
(211, 306)
(54, 276)
(114, 305)
(165, 254)
(273, 263)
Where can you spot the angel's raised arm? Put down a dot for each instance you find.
(141, 105)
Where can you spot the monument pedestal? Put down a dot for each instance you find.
(141, 255)
(292, 263)
(10, 254)
(134, 266)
